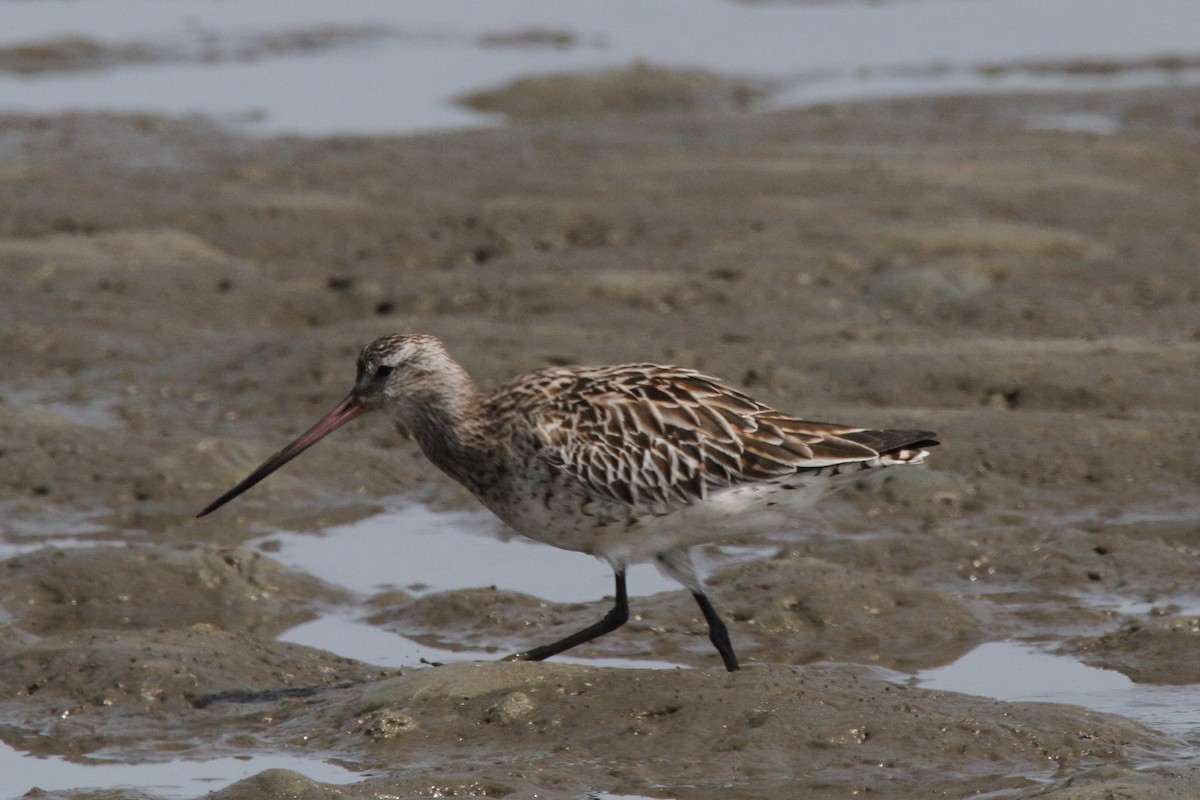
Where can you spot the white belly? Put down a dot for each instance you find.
(622, 535)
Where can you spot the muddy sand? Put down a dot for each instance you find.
(179, 301)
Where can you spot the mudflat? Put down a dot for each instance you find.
(180, 301)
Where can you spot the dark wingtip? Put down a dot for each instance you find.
(887, 441)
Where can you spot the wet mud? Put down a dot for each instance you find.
(180, 301)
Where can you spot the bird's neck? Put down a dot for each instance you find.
(451, 430)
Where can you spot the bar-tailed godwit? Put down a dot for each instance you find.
(629, 463)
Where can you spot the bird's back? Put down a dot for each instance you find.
(658, 438)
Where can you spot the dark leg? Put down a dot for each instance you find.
(717, 633)
(614, 619)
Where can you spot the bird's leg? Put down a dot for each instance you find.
(717, 633)
(678, 564)
(615, 618)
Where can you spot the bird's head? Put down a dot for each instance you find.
(405, 370)
(409, 374)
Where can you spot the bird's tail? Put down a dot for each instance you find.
(896, 447)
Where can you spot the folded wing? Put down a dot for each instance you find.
(651, 435)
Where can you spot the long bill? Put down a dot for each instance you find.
(347, 410)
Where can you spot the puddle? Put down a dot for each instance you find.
(343, 633)
(1014, 671)
(23, 530)
(431, 51)
(1158, 606)
(414, 548)
(420, 551)
(11, 549)
(411, 547)
(20, 772)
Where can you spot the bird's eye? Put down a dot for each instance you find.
(383, 370)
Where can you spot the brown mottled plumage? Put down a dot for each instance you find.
(628, 463)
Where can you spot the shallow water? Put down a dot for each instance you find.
(20, 773)
(24, 532)
(345, 634)
(419, 550)
(411, 548)
(1016, 671)
(1178, 606)
(414, 548)
(426, 53)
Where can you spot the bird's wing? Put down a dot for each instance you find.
(647, 434)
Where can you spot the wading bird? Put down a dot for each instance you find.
(629, 463)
